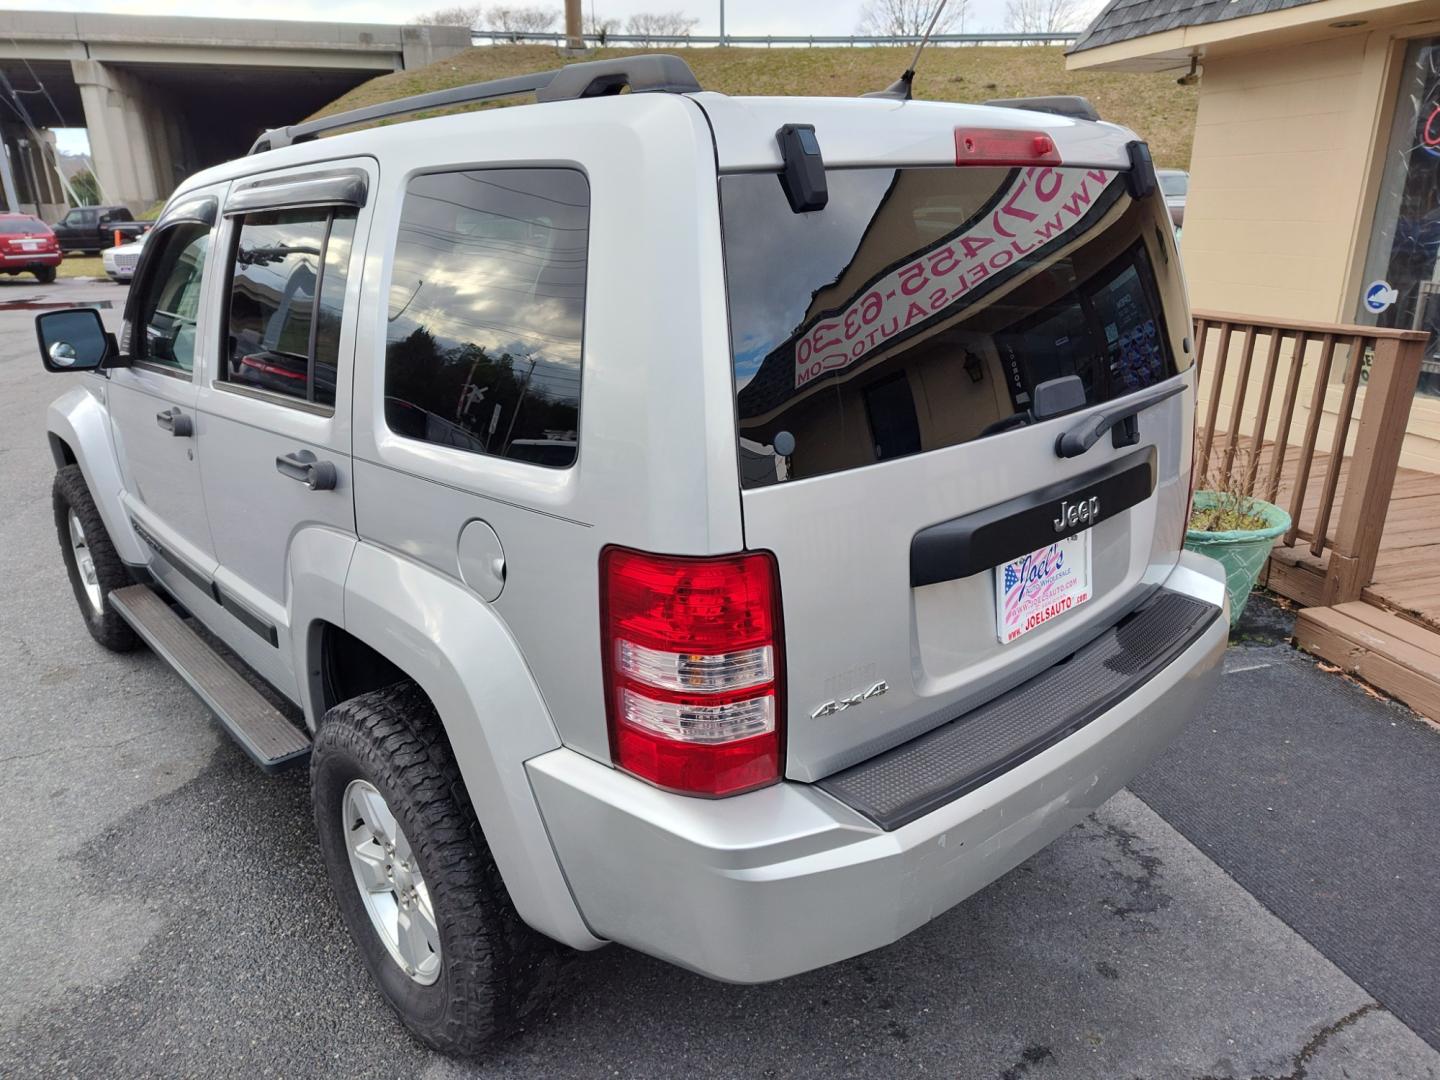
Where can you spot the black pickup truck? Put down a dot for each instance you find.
(93, 228)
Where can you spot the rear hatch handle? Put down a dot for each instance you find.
(1087, 433)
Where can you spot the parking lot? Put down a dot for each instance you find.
(167, 913)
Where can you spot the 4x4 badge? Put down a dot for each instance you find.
(841, 704)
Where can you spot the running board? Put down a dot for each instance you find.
(262, 730)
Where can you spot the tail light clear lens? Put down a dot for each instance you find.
(696, 672)
(693, 669)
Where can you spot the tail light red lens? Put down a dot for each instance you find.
(693, 669)
(1004, 146)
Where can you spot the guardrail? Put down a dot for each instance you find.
(1377, 367)
(509, 37)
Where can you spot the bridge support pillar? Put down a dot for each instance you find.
(135, 140)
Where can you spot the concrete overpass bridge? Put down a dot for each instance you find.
(162, 97)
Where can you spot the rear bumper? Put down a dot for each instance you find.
(786, 879)
(28, 260)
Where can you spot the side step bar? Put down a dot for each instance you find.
(261, 729)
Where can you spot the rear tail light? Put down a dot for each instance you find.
(1004, 146)
(693, 669)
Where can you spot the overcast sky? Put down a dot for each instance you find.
(741, 16)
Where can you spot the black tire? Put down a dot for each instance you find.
(45, 275)
(105, 625)
(495, 971)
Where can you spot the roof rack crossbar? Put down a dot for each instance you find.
(660, 73)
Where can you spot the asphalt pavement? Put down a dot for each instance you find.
(166, 913)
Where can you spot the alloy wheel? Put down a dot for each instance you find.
(391, 886)
(85, 563)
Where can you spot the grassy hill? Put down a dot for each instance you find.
(1153, 105)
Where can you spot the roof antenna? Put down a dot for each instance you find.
(899, 90)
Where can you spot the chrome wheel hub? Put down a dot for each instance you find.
(85, 563)
(391, 886)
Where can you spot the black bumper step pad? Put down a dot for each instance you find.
(896, 787)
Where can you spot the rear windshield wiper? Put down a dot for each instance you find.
(1087, 433)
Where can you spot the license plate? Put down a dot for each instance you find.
(1035, 588)
(29, 245)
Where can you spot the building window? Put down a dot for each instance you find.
(487, 299)
(1404, 254)
(287, 292)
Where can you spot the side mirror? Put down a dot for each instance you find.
(74, 340)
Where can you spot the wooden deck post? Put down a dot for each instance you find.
(1389, 393)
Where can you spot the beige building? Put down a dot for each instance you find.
(1315, 175)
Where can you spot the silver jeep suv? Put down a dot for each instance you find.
(736, 528)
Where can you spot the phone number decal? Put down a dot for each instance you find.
(1042, 203)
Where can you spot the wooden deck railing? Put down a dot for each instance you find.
(1383, 364)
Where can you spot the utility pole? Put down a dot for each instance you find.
(574, 35)
(524, 389)
(722, 22)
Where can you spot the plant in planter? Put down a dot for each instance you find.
(1234, 528)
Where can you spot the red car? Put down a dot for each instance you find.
(27, 244)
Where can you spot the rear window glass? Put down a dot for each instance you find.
(922, 306)
(22, 226)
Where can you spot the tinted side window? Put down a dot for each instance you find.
(287, 292)
(487, 301)
(170, 300)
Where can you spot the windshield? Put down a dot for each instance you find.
(922, 306)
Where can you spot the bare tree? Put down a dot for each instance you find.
(514, 19)
(1043, 16)
(661, 23)
(601, 27)
(450, 16)
(907, 18)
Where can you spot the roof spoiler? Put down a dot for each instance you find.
(660, 73)
(1071, 105)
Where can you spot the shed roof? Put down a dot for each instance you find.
(1125, 19)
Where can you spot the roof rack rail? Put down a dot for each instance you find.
(662, 73)
(1071, 105)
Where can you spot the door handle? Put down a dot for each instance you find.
(176, 422)
(305, 467)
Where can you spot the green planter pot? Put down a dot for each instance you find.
(1242, 552)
